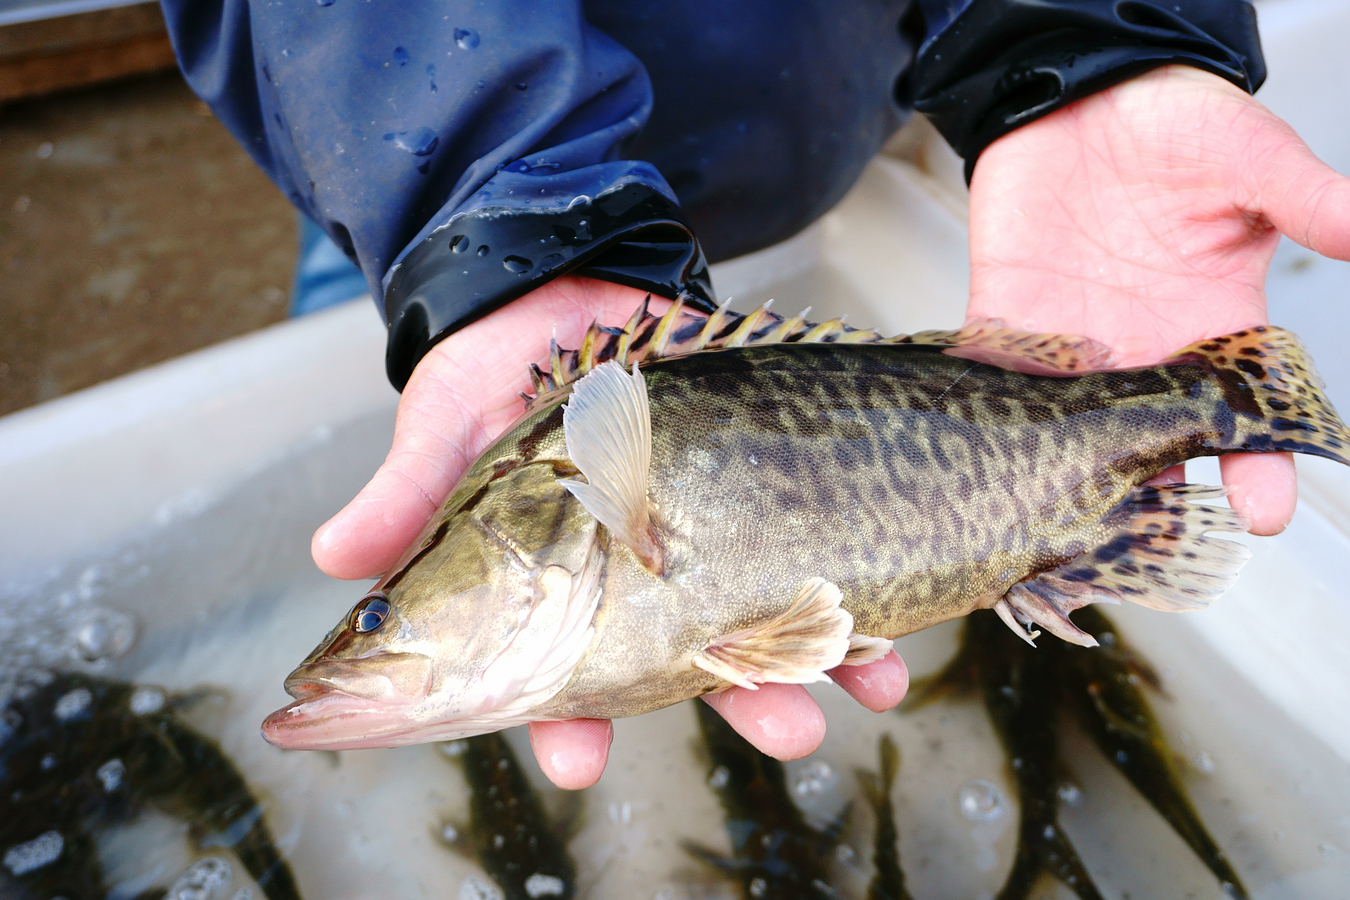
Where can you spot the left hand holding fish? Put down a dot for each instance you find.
(461, 397)
(1145, 216)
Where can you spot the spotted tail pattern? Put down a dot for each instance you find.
(1268, 379)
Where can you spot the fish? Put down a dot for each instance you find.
(79, 754)
(775, 851)
(888, 881)
(1028, 694)
(689, 504)
(1019, 687)
(510, 833)
(1107, 696)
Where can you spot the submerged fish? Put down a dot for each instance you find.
(510, 833)
(742, 500)
(775, 852)
(888, 882)
(1027, 692)
(80, 754)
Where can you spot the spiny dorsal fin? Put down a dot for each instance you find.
(1158, 556)
(678, 332)
(795, 647)
(608, 427)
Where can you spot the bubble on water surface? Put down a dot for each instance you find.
(72, 704)
(541, 885)
(202, 880)
(475, 888)
(104, 634)
(980, 801)
(454, 749)
(1069, 794)
(813, 780)
(111, 773)
(147, 700)
(33, 855)
(1203, 762)
(719, 778)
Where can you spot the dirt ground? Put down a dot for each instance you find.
(132, 229)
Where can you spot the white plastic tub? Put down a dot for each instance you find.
(181, 498)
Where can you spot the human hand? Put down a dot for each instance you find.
(1145, 216)
(461, 397)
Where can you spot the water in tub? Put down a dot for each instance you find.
(226, 597)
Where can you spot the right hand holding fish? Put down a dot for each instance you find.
(465, 393)
(1153, 228)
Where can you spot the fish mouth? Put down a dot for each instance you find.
(348, 704)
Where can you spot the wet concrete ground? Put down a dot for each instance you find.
(132, 229)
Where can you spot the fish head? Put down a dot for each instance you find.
(483, 620)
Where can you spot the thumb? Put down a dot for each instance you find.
(1299, 194)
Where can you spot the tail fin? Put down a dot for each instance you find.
(1267, 374)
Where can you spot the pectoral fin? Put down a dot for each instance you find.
(1157, 556)
(608, 426)
(797, 646)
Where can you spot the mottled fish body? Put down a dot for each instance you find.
(763, 500)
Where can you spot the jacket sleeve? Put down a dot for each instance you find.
(460, 153)
(986, 67)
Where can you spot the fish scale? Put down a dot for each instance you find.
(689, 504)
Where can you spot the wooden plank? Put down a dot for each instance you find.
(49, 55)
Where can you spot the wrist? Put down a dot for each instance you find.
(1004, 63)
(482, 260)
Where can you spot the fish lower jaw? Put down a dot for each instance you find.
(332, 720)
(326, 719)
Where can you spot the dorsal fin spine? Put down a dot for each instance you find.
(647, 338)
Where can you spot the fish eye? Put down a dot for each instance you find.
(370, 613)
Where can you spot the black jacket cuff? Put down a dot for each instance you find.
(485, 258)
(1004, 63)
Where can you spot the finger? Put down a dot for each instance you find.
(878, 685)
(1301, 195)
(366, 537)
(780, 720)
(461, 395)
(572, 753)
(1263, 486)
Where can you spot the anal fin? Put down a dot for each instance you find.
(796, 646)
(1157, 556)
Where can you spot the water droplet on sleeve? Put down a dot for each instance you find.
(418, 142)
(517, 265)
(466, 38)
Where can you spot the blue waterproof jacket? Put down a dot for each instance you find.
(464, 152)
